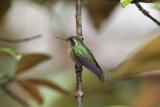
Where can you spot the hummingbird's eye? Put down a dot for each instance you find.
(72, 42)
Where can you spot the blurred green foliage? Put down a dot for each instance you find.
(12, 66)
(126, 89)
(9, 52)
(124, 3)
(157, 5)
(147, 59)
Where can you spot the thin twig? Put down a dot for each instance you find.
(78, 69)
(146, 13)
(79, 92)
(20, 40)
(6, 89)
(78, 18)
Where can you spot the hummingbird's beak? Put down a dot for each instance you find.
(61, 38)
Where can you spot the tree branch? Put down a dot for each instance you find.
(78, 18)
(19, 40)
(79, 92)
(78, 69)
(146, 13)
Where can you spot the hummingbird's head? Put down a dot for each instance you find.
(72, 39)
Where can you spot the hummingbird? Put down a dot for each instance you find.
(82, 56)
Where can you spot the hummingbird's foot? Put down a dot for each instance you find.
(78, 68)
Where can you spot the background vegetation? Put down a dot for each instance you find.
(125, 43)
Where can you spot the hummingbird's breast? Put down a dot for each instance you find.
(73, 56)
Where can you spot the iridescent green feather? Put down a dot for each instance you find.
(81, 49)
(86, 58)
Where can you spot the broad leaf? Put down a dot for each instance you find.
(30, 60)
(124, 3)
(49, 84)
(100, 10)
(5, 5)
(8, 66)
(32, 90)
(9, 52)
(146, 60)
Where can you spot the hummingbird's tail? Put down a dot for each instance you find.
(92, 67)
(97, 71)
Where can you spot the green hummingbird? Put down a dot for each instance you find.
(81, 55)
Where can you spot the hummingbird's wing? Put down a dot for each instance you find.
(92, 65)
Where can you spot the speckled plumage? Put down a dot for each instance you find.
(83, 56)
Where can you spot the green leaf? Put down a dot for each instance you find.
(157, 5)
(147, 59)
(9, 52)
(8, 66)
(30, 60)
(8, 62)
(124, 3)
